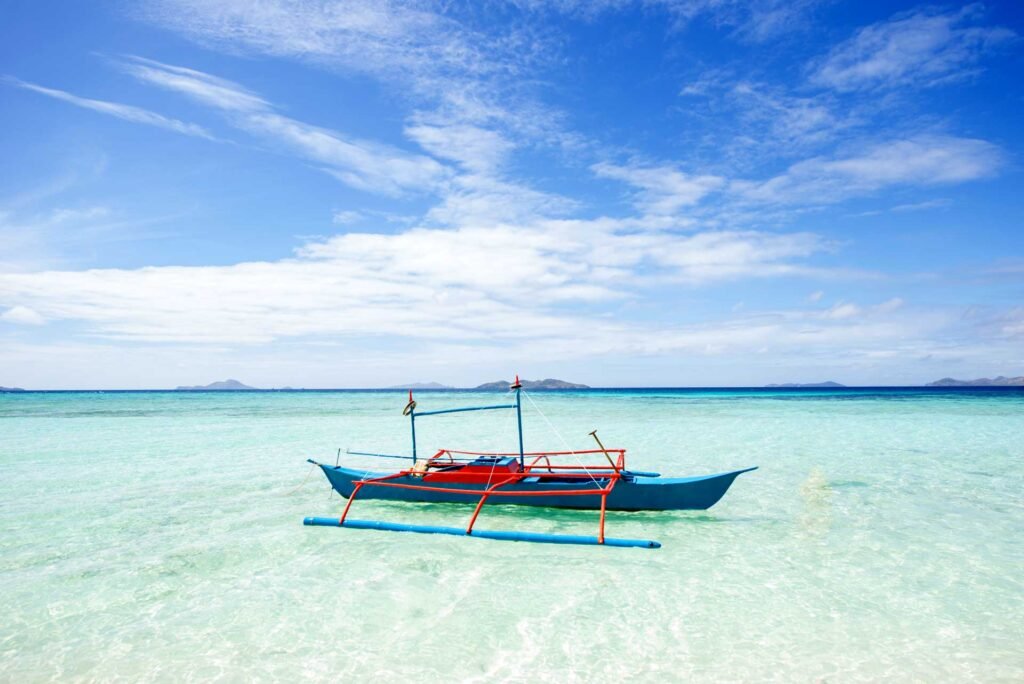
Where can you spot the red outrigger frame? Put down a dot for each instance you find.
(612, 473)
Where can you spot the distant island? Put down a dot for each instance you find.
(546, 384)
(422, 386)
(11, 389)
(1000, 381)
(827, 383)
(216, 386)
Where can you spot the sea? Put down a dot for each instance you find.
(158, 537)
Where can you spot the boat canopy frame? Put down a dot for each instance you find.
(410, 410)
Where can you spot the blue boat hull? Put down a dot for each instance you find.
(634, 493)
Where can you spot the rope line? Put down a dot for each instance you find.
(508, 429)
(562, 439)
(312, 467)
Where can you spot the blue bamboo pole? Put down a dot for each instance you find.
(412, 422)
(519, 420)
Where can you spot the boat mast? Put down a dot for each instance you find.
(518, 386)
(410, 409)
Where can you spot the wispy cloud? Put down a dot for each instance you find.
(35, 239)
(476, 190)
(345, 217)
(382, 39)
(119, 110)
(662, 189)
(485, 199)
(926, 205)
(787, 123)
(921, 49)
(202, 87)
(752, 21)
(749, 123)
(465, 71)
(363, 164)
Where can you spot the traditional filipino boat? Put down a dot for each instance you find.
(539, 478)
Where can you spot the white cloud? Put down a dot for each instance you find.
(925, 160)
(482, 199)
(700, 353)
(923, 206)
(842, 310)
(710, 80)
(477, 149)
(663, 189)
(890, 305)
(920, 49)
(473, 283)
(815, 296)
(922, 160)
(64, 215)
(23, 315)
(346, 217)
(724, 254)
(1011, 323)
(121, 111)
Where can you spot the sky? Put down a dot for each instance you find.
(362, 194)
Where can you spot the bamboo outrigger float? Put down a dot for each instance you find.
(522, 478)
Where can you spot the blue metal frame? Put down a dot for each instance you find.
(412, 423)
(468, 408)
(519, 420)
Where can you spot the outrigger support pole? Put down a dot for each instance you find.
(484, 534)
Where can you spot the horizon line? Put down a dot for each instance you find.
(21, 390)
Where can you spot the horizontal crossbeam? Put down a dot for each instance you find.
(420, 414)
(367, 453)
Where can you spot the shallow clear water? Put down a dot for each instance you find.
(159, 537)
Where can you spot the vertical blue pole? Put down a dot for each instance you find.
(412, 422)
(519, 419)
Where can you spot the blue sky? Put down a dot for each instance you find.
(361, 194)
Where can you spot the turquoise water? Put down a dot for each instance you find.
(159, 537)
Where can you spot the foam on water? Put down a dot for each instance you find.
(159, 537)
